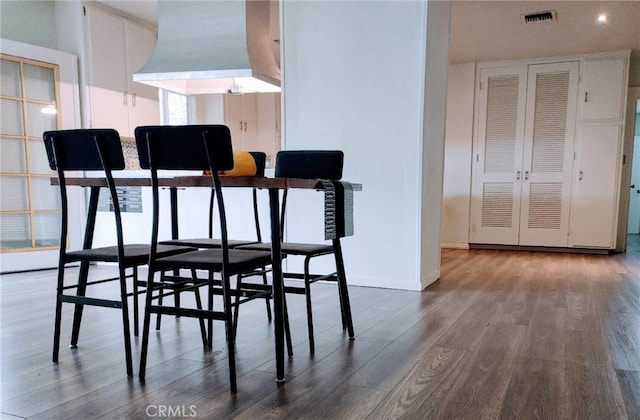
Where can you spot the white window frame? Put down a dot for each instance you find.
(69, 94)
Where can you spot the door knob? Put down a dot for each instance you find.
(633, 186)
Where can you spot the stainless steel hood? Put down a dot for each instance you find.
(215, 46)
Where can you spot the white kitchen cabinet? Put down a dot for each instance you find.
(524, 152)
(116, 48)
(548, 151)
(596, 179)
(254, 121)
(593, 204)
(603, 88)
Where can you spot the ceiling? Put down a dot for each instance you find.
(484, 30)
(146, 10)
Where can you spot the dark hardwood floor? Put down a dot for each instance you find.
(503, 334)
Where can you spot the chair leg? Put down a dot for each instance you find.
(307, 293)
(229, 333)
(159, 316)
(125, 321)
(287, 327)
(210, 309)
(146, 324)
(203, 329)
(267, 300)
(135, 301)
(77, 313)
(342, 287)
(236, 308)
(58, 319)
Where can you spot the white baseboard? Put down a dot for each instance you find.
(454, 246)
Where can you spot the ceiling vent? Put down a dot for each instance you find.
(546, 16)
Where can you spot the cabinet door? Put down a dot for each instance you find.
(593, 206)
(140, 43)
(143, 111)
(604, 82)
(268, 118)
(498, 160)
(250, 122)
(109, 110)
(233, 119)
(548, 154)
(106, 50)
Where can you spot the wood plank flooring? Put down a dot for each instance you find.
(502, 335)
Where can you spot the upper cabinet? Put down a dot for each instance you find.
(254, 121)
(116, 47)
(603, 88)
(598, 152)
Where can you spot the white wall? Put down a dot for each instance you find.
(354, 80)
(435, 99)
(32, 22)
(457, 162)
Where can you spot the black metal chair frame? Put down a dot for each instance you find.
(94, 150)
(196, 147)
(321, 165)
(210, 242)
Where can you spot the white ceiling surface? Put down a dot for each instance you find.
(483, 30)
(146, 10)
(493, 30)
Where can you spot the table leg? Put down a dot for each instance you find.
(278, 291)
(173, 193)
(173, 199)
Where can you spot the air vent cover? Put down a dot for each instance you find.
(546, 16)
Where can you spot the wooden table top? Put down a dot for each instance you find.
(203, 181)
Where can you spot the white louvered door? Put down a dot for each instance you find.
(498, 158)
(523, 157)
(548, 154)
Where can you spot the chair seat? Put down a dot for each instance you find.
(293, 248)
(205, 242)
(211, 259)
(133, 253)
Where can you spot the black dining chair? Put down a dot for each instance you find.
(210, 242)
(94, 150)
(321, 165)
(183, 148)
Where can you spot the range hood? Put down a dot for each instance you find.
(215, 47)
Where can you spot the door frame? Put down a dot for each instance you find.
(69, 94)
(633, 95)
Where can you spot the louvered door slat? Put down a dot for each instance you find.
(501, 132)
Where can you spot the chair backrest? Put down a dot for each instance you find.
(86, 150)
(261, 161)
(309, 164)
(77, 150)
(185, 148)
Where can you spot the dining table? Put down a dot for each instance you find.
(341, 226)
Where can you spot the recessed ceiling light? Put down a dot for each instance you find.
(603, 18)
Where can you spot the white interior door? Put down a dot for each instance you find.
(548, 154)
(634, 197)
(497, 175)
